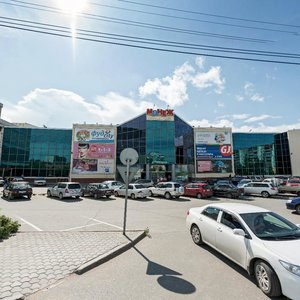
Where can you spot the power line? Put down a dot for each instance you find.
(136, 39)
(134, 23)
(147, 47)
(210, 15)
(192, 19)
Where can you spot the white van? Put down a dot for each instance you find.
(265, 189)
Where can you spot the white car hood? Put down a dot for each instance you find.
(287, 250)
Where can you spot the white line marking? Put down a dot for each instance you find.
(28, 223)
(105, 223)
(79, 227)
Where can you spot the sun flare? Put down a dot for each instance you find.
(71, 6)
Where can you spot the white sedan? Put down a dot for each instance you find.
(260, 241)
(134, 191)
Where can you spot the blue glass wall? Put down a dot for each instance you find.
(36, 152)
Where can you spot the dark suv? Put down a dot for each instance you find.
(227, 190)
(97, 190)
(17, 189)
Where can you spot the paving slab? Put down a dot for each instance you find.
(31, 261)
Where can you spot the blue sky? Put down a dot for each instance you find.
(57, 81)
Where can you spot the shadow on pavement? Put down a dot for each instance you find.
(142, 200)
(167, 277)
(16, 199)
(67, 200)
(101, 198)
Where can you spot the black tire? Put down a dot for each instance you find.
(95, 196)
(132, 196)
(151, 194)
(199, 196)
(10, 197)
(29, 197)
(267, 279)
(49, 194)
(265, 194)
(116, 194)
(77, 197)
(298, 209)
(168, 195)
(60, 196)
(107, 196)
(196, 235)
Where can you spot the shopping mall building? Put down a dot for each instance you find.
(168, 147)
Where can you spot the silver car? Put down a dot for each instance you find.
(134, 191)
(65, 190)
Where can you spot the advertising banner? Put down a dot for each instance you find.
(214, 166)
(103, 135)
(106, 166)
(160, 114)
(85, 166)
(213, 151)
(212, 138)
(94, 150)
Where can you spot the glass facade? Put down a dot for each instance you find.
(160, 145)
(282, 150)
(32, 152)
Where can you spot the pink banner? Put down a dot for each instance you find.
(96, 150)
(204, 166)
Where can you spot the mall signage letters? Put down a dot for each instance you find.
(160, 112)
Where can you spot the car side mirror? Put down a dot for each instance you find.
(239, 231)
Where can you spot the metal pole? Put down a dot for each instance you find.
(126, 194)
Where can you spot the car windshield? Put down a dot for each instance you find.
(103, 186)
(139, 186)
(270, 226)
(74, 186)
(22, 185)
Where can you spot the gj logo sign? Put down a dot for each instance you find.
(226, 150)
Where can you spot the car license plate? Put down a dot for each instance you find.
(22, 192)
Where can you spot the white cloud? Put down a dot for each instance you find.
(235, 116)
(200, 62)
(220, 104)
(249, 91)
(173, 89)
(260, 118)
(239, 98)
(257, 98)
(60, 109)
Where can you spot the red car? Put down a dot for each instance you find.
(199, 190)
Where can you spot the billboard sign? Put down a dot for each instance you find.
(213, 138)
(213, 151)
(160, 114)
(103, 135)
(93, 150)
(214, 166)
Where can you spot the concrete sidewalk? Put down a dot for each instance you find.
(31, 261)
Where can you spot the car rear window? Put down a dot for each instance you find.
(139, 186)
(176, 185)
(21, 186)
(74, 186)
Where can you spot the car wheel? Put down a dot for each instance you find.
(107, 196)
(199, 196)
(167, 195)
(116, 194)
(95, 196)
(229, 195)
(196, 235)
(151, 194)
(29, 197)
(77, 197)
(132, 196)
(61, 196)
(49, 194)
(298, 209)
(265, 194)
(10, 197)
(267, 279)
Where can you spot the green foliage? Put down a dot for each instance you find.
(7, 227)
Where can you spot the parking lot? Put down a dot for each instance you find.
(166, 222)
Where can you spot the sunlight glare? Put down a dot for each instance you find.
(71, 6)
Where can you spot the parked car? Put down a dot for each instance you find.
(65, 190)
(227, 190)
(2, 181)
(294, 204)
(289, 189)
(134, 191)
(293, 181)
(243, 182)
(273, 180)
(265, 189)
(167, 189)
(257, 178)
(97, 190)
(145, 182)
(260, 241)
(199, 190)
(40, 181)
(17, 189)
(113, 184)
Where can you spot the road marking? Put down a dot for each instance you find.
(105, 223)
(30, 224)
(79, 227)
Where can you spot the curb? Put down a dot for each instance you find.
(109, 255)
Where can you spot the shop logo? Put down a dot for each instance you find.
(226, 150)
(160, 112)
